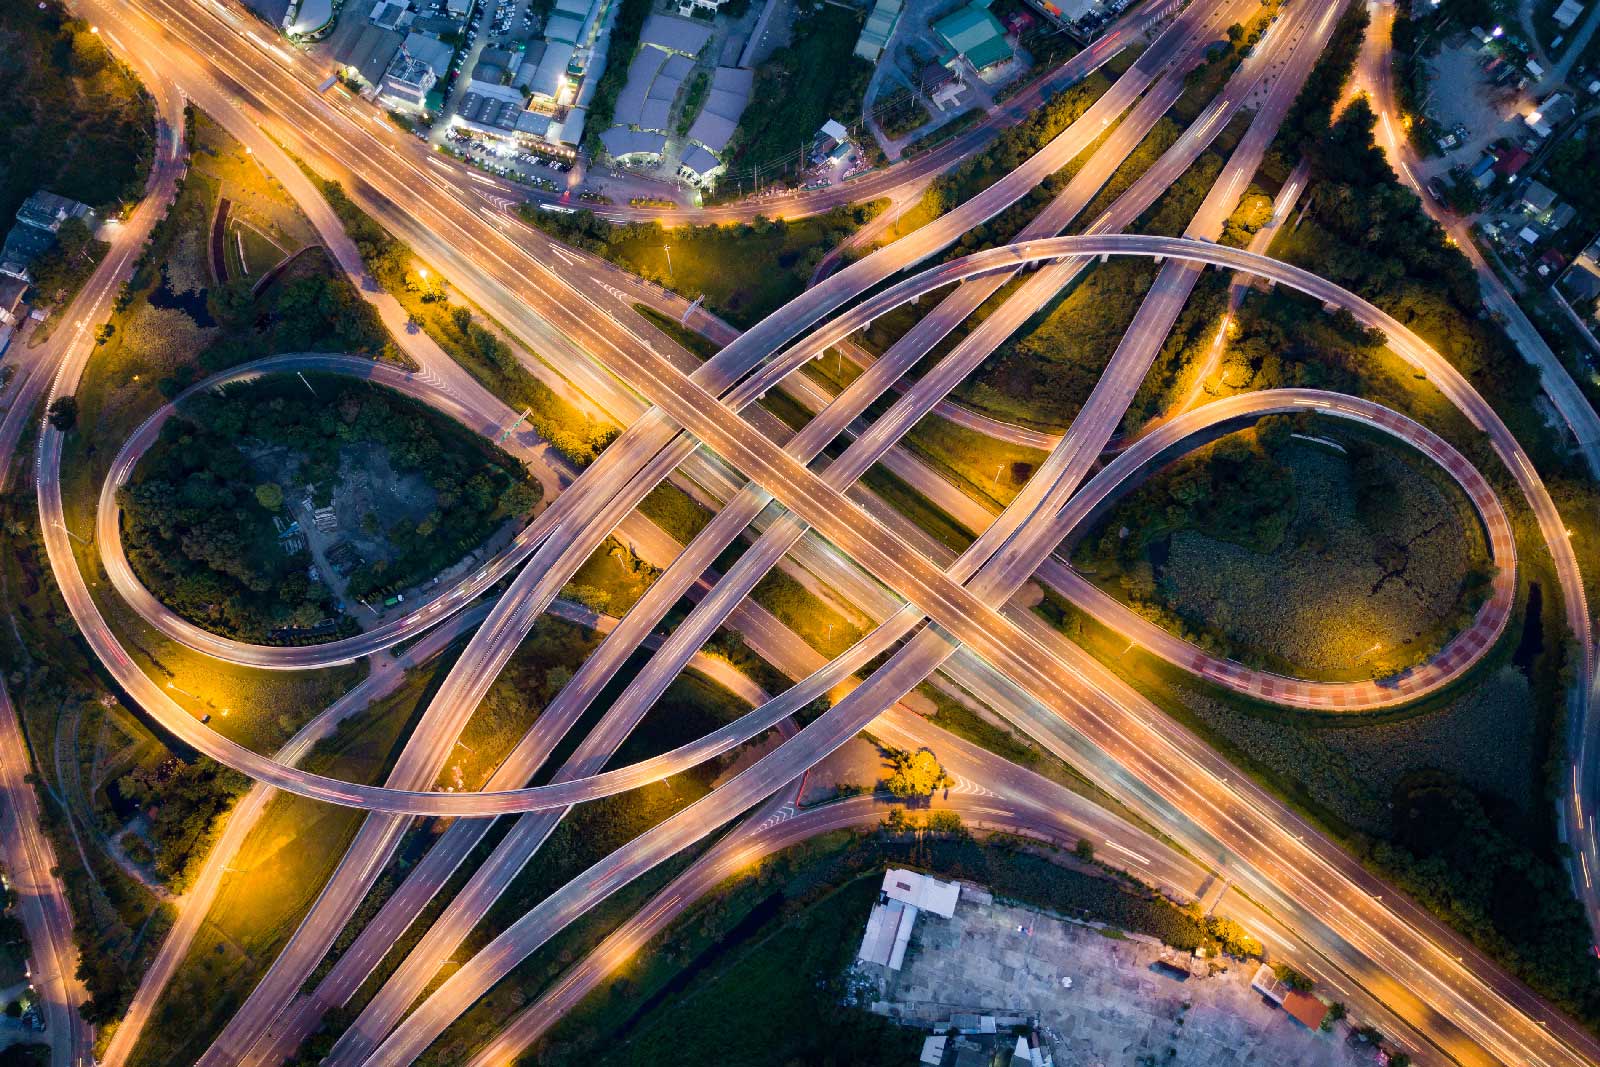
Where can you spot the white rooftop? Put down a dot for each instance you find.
(888, 931)
(920, 891)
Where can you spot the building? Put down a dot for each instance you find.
(393, 14)
(1510, 161)
(39, 219)
(1581, 282)
(1567, 13)
(367, 56)
(903, 896)
(308, 18)
(888, 933)
(729, 94)
(633, 146)
(1551, 112)
(974, 35)
(560, 73)
(1305, 1009)
(12, 290)
(12, 309)
(1537, 199)
(1268, 984)
(643, 113)
(413, 72)
(683, 36)
(921, 892)
(879, 29)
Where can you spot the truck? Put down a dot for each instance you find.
(391, 601)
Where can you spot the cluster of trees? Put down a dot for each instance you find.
(201, 543)
(1469, 858)
(800, 86)
(13, 937)
(1312, 110)
(25, 1055)
(70, 262)
(185, 804)
(900, 112)
(201, 537)
(1234, 490)
(1369, 233)
(1203, 82)
(64, 91)
(310, 312)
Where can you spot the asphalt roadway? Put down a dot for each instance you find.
(424, 882)
(1374, 72)
(28, 855)
(991, 637)
(667, 377)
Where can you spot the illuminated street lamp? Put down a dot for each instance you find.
(668, 250)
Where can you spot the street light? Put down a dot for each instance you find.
(668, 250)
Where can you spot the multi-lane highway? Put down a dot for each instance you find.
(673, 407)
(1021, 660)
(489, 881)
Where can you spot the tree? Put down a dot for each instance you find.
(916, 774)
(231, 302)
(1292, 978)
(64, 413)
(269, 495)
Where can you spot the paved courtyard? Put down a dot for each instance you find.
(1120, 1008)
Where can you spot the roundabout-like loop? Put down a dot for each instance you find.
(1489, 623)
(460, 593)
(1442, 669)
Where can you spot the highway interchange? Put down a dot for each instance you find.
(957, 615)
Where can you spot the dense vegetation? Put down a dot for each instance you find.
(200, 535)
(1500, 881)
(185, 804)
(72, 120)
(1232, 547)
(1312, 111)
(1461, 855)
(800, 86)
